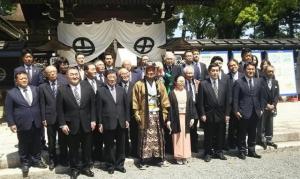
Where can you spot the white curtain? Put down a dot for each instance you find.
(102, 35)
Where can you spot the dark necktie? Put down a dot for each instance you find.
(126, 87)
(28, 69)
(53, 87)
(93, 86)
(250, 84)
(76, 94)
(215, 88)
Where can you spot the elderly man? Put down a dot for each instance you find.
(150, 104)
(77, 119)
(134, 75)
(48, 92)
(22, 113)
(100, 68)
(171, 70)
(189, 61)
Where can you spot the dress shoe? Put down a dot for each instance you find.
(221, 156)
(111, 170)
(39, 164)
(207, 158)
(74, 174)
(51, 165)
(64, 163)
(25, 170)
(263, 144)
(87, 172)
(122, 169)
(242, 155)
(142, 166)
(272, 144)
(254, 155)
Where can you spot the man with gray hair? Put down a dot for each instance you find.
(171, 70)
(134, 75)
(192, 86)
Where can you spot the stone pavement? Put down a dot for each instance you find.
(286, 133)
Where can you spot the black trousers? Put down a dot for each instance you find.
(30, 145)
(194, 137)
(265, 127)
(81, 140)
(232, 131)
(115, 158)
(133, 130)
(63, 142)
(213, 136)
(247, 126)
(97, 145)
(52, 131)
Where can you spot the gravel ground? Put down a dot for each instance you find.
(281, 163)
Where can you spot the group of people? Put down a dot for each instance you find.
(101, 113)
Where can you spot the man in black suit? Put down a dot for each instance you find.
(22, 113)
(233, 75)
(35, 76)
(142, 63)
(76, 113)
(100, 68)
(271, 95)
(248, 105)
(133, 131)
(189, 61)
(80, 60)
(113, 116)
(201, 66)
(48, 92)
(192, 86)
(246, 55)
(213, 106)
(109, 61)
(94, 84)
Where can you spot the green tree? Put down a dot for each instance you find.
(7, 7)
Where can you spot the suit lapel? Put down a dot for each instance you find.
(212, 91)
(21, 97)
(71, 95)
(109, 93)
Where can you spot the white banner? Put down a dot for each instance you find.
(93, 39)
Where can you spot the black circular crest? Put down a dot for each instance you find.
(144, 45)
(84, 45)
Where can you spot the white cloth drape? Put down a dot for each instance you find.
(104, 33)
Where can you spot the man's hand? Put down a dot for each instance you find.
(238, 115)
(126, 124)
(203, 118)
(93, 125)
(227, 119)
(44, 123)
(270, 107)
(169, 126)
(65, 129)
(192, 122)
(100, 128)
(13, 128)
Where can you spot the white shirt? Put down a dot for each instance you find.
(113, 92)
(29, 97)
(212, 82)
(235, 76)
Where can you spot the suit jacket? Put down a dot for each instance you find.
(208, 104)
(244, 101)
(271, 96)
(136, 75)
(231, 83)
(171, 73)
(48, 102)
(111, 113)
(19, 113)
(203, 73)
(173, 116)
(129, 93)
(36, 78)
(70, 113)
(87, 83)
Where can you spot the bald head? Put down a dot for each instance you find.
(169, 58)
(127, 64)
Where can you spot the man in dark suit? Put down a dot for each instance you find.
(192, 86)
(80, 60)
(246, 55)
(48, 92)
(213, 106)
(233, 75)
(109, 61)
(201, 66)
(100, 68)
(94, 84)
(35, 76)
(142, 63)
(113, 116)
(76, 113)
(271, 95)
(189, 61)
(248, 105)
(133, 131)
(22, 113)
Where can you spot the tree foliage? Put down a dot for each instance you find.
(7, 7)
